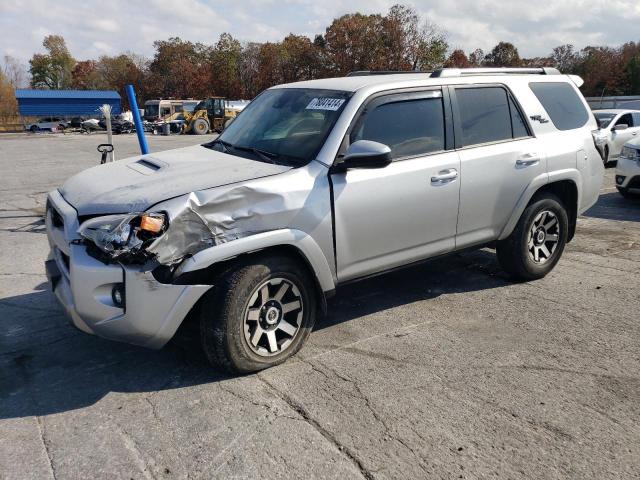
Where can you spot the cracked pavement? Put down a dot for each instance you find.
(444, 370)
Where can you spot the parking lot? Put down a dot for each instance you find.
(444, 370)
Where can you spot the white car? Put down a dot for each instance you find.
(48, 123)
(615, 128)
(628, 170)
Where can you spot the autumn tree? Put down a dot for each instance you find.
(85, 76)
(225, 64)
(53, 69)
(8, 104)
(457, 59)
(476, 58)
(504, 54)
(354, 42)
(565, 58)
(180, 69)
(115, 73)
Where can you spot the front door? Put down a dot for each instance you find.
(620, 137)
(408, 210)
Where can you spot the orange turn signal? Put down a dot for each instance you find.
(151, 224)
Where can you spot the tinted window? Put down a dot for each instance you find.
(562, 103)
(636, 119)
(519, 126)
(625, 119)
(409, 127)
(484, 114)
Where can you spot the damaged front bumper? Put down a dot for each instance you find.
(151, 312)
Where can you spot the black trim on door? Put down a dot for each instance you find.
(389, 96)
(457, 122)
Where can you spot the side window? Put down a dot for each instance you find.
(409, 127)
(626, 119)
(485, 115)
(636, 119)
(562, 103)
(165, 111)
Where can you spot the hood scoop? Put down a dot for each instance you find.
(147, 165)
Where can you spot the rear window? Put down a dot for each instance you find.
(562, 103)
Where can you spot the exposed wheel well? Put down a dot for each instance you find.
(209, 275)
(567, 192)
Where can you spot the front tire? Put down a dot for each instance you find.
(536, 244)
(200, 126)
(259, 314)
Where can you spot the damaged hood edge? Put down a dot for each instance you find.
(137, 183)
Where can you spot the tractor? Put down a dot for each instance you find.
(210, 114)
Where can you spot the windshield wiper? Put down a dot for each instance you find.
(264, 155)
(225, 145)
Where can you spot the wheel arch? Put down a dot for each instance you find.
(565, 185)
(214, 261)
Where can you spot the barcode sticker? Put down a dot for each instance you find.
(325, 104)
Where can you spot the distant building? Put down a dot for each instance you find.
(603, 103)
(65, 103)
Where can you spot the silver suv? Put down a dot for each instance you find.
(316, 184)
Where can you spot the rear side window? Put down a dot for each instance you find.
(562, 103)
(636, 119)
(485, 115)
(408, 127)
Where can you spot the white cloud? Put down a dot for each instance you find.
(121, 25)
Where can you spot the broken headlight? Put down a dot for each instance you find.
(123, 235)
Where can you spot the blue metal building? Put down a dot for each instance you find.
(65, 103)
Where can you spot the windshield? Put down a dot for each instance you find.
(288, 124)
(151, 110)
(604, 119)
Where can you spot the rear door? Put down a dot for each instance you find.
(499, 158)
(408, 210)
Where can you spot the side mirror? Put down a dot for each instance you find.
(365, 154)
(621, 126)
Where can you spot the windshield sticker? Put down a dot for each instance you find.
(325, 104)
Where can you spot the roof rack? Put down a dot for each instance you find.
(463, 72)
(365, 73)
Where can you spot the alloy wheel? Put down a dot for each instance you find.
(273, 317)
(544, 237)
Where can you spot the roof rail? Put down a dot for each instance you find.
(463, 72)
(365, 73)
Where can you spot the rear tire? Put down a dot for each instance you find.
(200, 126)
(259, 314)
(34, 128)
(536, 244)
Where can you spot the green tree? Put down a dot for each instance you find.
(225, 65)
(53, 69)
(565, 58)
(504, 54)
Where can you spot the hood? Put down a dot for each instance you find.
(137, 183)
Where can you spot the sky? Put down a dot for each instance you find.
(93, 28)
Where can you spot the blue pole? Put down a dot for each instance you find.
(133, 104)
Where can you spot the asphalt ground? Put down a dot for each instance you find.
(445, 370)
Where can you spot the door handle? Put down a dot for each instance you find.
(444, 176)
(634, 133)
(528, 160)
